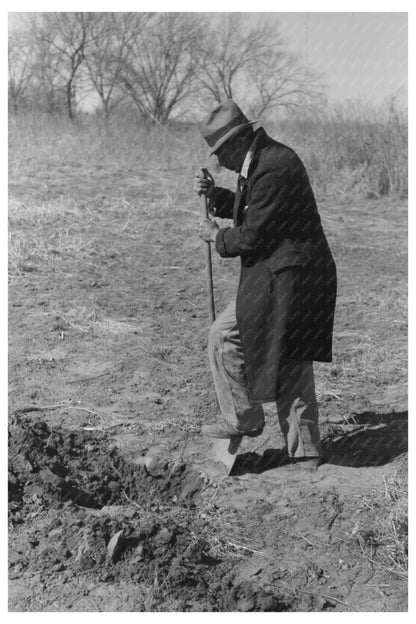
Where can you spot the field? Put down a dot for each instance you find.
(114, 502)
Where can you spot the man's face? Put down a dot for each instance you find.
(231, 155)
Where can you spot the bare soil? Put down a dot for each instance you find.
(115, 504)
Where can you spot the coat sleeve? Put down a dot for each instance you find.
(221, 203)
(269, 201)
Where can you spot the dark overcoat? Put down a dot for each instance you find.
(287, 289)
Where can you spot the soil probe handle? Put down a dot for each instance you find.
(208, 258)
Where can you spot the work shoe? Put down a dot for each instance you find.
(223, 429)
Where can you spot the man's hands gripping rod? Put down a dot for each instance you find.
(204, 185)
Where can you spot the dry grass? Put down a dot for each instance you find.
(350, 147)
(373, 352)
(31, 248)
(35, 213)
(30, 254)
(39, 142)
(386, 540)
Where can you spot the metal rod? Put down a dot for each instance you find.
(208, 264)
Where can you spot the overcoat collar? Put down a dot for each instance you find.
(259, 140)
(249, 157)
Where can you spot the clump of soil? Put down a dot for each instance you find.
(80, 466)
(89, 511)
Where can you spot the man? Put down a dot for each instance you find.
(262, 347)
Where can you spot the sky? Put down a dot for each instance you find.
(360, 54)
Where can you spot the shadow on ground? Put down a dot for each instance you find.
(257, 463)
(362, 440)
(375, 440)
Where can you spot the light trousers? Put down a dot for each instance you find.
(297, 408)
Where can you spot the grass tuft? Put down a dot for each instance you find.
(386, 539)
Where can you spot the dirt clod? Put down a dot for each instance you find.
(115, 545)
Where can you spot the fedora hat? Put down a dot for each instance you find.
(225, 121)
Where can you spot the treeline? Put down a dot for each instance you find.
(161, 64)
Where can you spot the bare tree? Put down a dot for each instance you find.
(112, 37)
(20, 68)
(160, 73)
(249, 61)
(226, 51)
(48, 89)
(61, 40)
(279, 80)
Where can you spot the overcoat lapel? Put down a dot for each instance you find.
(240, 201)
(237, 200)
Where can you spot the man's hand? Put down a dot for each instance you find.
(204, 183)
(207, 230)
